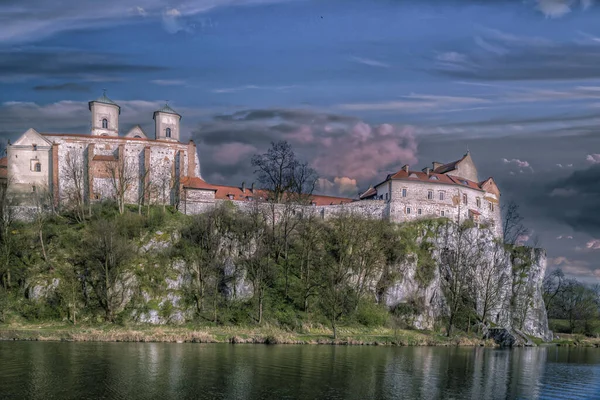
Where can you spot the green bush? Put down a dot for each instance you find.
(370, 314)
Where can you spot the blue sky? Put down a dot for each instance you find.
(358, 87)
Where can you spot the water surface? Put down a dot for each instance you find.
(39, 370)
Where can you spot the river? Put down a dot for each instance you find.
(45, 370)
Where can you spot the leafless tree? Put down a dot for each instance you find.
(73, 170)
(122, 175)
(554, 285)
(513, 227)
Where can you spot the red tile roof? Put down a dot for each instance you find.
(442, 169)
(100, 157)
(370, 192)
(432, 178)
(224, 192)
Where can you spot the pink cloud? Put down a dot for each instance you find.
(232, 153)
(341, 186)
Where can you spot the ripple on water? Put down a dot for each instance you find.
(154, 370)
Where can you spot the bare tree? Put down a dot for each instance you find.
(553, 287)
(122, 177)
(73, 169)
(513, 227)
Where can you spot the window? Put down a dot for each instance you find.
(465, 200)
(33, 188)
(407, 210)
(419, 211)
(403, 192)
(442, 213)
(386, 196)
(491, 206)
(104, 123)
(37, 167)
(34, 146)
(430, 195)
(441, 195)
(434, 178)
(168, 132)
(478, 201)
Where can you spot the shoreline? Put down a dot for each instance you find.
(257, 335)
(236, 335)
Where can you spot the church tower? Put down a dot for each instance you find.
(166, 122)
(105, 116)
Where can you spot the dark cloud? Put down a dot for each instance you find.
(575, 200)
(34, 63)
(63, 87)
(496, 56)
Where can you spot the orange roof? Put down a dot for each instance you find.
(370, 192)
(4, 162)
(474, 212)
(432, 178)
(224, 192)
(100, 157)
(94, 137)
(442, 169)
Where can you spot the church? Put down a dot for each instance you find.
(66, 168)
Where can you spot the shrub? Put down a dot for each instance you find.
(370, 314)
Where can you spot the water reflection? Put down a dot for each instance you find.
(131, 371)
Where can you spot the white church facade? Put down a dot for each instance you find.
(104, 164)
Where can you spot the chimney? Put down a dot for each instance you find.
(243, 187)
(252, 187)
(436, 165)
(427, 170)
(405, 167)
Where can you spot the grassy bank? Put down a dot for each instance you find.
(262, 335)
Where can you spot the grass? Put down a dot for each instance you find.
(259, 335)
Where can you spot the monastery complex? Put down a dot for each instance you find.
(104, 164)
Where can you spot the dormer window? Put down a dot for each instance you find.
(168, 132)
(464, 182)
(104, 123)
(434, 178)
(413, 176)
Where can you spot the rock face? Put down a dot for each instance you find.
(506, 285)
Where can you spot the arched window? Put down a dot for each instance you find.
(104, 123)
(38, 167)
(168, 132)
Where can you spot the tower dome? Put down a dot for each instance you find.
(105, 116)
(166, 123)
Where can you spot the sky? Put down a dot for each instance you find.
(358, 88)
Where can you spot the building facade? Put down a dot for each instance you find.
(104, 164)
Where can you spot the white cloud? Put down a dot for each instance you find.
(593, 158)
(593, 244)
(252, 87)
(370, 62)
(564, 237)
(416, 103)
(141, 11)
(341, 186)
(559, 8)
(168, 82)
(519, 164)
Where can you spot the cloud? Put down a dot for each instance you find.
(232, 153)
(416, 103)
(522, 165)
(559, 8)
(498, 56)
(346, 148)
(28, 21)
(593, 158)
(370, 62)
(564, 237)
(252, 87)
(579, 269)
(30, 63)
(341, 186)
(63, 87)
(168, 82)
(593, 244)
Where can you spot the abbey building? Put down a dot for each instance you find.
(134, 168)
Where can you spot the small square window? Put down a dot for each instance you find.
(419, 211)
